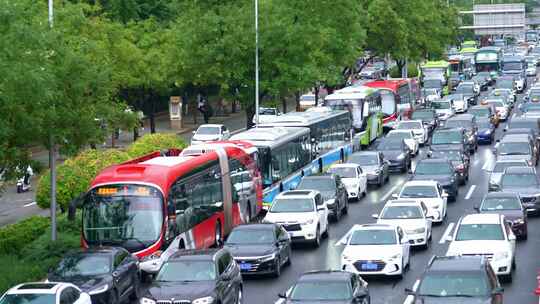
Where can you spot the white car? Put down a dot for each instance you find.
(49, 293)
(411, 216)
(502, 108)
(375, 249)
(307, 101)
(419, 131)
(486, 235)
(461, 105)
(267, 115)
(443, 108)
(430, 193)
(210, 132)
(408, 137)
(302, 213)
(352, 176)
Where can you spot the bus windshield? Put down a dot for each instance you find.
(123, 214)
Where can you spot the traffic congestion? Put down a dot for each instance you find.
(388, 191)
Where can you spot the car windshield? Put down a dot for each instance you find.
(251, 236)
(484, 124)
(519, 180)
(436, 168)
(418, 191)
(514, 148)
(207, 130)
(501, 166)
(441, 138)
(453, 284)
(321, 291)
(480, 112)
(364, 160)
(373, 237)
(441, 105)
(407, 125)
(321, 184)
(32, 298)
(399, 135)
(343, 172)
(505, 84)
(501, 203)
(389, 145)
(84, 265)
(479, 232)
(182, 271)
(430, 91)
(282, 205)
(401, 212)
(422, 115)
(122, 213)
(458, 123)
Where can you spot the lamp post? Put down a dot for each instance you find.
(256, 62)
(52, 157)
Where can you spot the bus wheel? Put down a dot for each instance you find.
(218, 235)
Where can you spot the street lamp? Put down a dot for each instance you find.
(256, 62)
(52, 157)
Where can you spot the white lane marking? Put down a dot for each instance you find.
(487, 164)
(29, 204)
(387, 194)
(343, 239)
(409, 299)
(446, 233)
(470, 192)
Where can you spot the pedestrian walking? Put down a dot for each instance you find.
(202, 106)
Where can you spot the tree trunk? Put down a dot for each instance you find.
(284, 104)
(250, 112)
(316, 95)
(135, 133)
(152, 113)
(297, 99)
(52, 165)
(400, 64)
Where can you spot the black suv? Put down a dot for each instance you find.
(331, 286)
(332, 190)
(260, 248)
(468, 123)
(449, 138)
(109, 274)
(459, 279)
(197, 276)
(440, 170)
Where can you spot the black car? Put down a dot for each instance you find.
(396, 151)
(487, 76)
(509, 205)
(482, 81)
(331, 286)
(458, 279)
(523, 180)
(440, 170)
(197, 276)
(449, 138)
(468, 123)
(333, 192)
(459, 159)
(373, 164)
(428, 117)
(260, 248)
(467, 90)
(109, 274)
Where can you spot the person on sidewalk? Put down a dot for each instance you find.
(202, 106)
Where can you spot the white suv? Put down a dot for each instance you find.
(417, 126)
(49, 292)
(352, 176)
(411, 216)
(486, 235)
(375, 249)
(408, 137)
(430, 193)
(302, 213)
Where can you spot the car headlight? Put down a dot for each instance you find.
(145, 300)
(417, 230)
(436, 206)
(501, 255)
(395, 256)
(330, 202)
(308, 222)
(153, 256)
(205, 300)
(377, 171)
(401, 157)
(100, 289)
(267, 258)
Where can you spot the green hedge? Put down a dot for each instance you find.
(75, 174)
(14, 237)
(153, 142)
(412, 71)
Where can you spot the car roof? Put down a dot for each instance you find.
(516, 137)
(325, 176)
(519, 170)
(211, 125)
(481, 218)
(37, 287)
(325, 275)
(345, 165)
(195, 254)
(434, 160)
(256, 226)
(403, 202)
(457, 263)
(298, 193)
(373, 226)
(501, 194)
(420, 183)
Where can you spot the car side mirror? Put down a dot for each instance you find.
(448, 238)
(477, 208)
(409, 291)
(282, 295)
(320, 208)
(512, 237)
(360, 295)
(375, 216)
(395, 195)
(444, 194)
(193, 132)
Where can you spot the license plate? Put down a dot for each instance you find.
(369, 266)
(245, 266)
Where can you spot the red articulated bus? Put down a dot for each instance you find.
(163, 202)
(398, 100)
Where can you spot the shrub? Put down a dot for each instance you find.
(17, 271)
(14, 237)
(154, 142)
(75, 174)
(412, 71)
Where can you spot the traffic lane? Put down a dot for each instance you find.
(16, 206)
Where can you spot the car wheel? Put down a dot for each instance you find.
(326, 233)
(387, 177)
(288, 262)
(337, 212)
(345, 210)
(218, 235)
(317, 241)
(277, 267)
(381, 180)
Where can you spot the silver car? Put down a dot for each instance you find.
(373, 164)
(497, 171)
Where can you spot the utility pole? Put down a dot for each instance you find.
(52, 157)
(256, 62)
